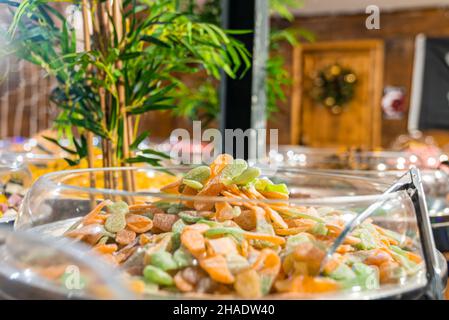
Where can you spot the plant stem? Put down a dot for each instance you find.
(104, 144)
(102, 30)
(127, 125)
(114, 163)
(89, 134)
(102, 36)
(130, 139)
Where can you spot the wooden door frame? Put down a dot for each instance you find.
(377, 50)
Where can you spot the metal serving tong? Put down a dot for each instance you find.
(412, 184)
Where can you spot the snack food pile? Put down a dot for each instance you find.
(233, 232)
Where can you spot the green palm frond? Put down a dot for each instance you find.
(160, 42)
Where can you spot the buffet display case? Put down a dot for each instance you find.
(235, 232)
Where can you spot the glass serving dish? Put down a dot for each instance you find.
(36, 267)
(15, 179)
(221, 242)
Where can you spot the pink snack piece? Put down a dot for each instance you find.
(14, 200)
(3, 207)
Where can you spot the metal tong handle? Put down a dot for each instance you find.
(433, 271)
(358, 220)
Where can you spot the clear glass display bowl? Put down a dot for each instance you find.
(36, 267)
(320, 204)
(15, 179)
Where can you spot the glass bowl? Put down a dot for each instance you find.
(36, 267)
(15, 179)
(319, 207)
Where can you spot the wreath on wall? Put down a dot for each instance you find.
(334, 87)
